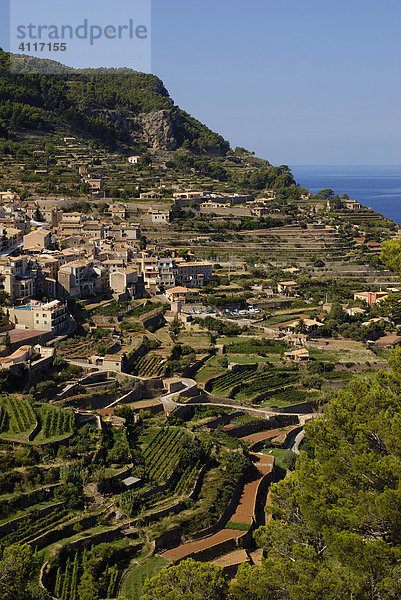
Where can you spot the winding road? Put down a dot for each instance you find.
(172, 399)
(188, 385)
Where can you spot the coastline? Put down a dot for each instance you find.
(375, 186)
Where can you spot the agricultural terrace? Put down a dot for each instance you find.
(163, 453)
(250, 382)
(21, 420)
(17, 417)
(150, 365)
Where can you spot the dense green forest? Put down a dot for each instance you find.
(81, 100)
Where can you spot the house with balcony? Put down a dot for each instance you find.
(370, 298)
(50, 317)
(288, 288)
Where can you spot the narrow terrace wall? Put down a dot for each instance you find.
(25, 500)
(169, 539)
(63, 531)
(225, 517)
(10, 526)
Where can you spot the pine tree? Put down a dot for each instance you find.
(88, 588)
(57, 585)
(66, 581)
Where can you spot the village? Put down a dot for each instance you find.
(55, 258)
(179, 338)
(200, 301)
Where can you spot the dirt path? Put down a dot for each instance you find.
(246, 505)
(243, 514)
(193, 547)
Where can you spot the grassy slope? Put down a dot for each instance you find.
(136, 577)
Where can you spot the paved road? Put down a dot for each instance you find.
(266, 413)
(118, 400)
(85, 365)
(169, 398)
(297, 442)
(190, 384)
(11, 249)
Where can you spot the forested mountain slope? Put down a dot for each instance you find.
(116, 106)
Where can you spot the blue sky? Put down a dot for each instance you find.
(297, 81)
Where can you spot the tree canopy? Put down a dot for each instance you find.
(335, 531)
(17, 565)
(44, 93)
(189, 579)
(391, 255)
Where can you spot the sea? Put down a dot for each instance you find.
(375, 186)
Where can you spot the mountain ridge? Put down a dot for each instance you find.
(112, 105)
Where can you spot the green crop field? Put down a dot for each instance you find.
(149, 366)
(264, 382)
(33, 525)
(163, 453)
(71, 575)
(17, 418)
(288, 397)
(222, 385)
(56, 423)
(187, 480)
(133, 582)
(211, 369)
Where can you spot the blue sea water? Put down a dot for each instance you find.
(377, 186)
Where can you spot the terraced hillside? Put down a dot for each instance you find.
(21, 420)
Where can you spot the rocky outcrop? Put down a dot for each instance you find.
(158, 129)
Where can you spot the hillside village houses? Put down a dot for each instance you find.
(58, 254)
(47, 317)
(37, 241)
(370, 297)
(50, 255)
(159, 216)
(94, 184)
(287, 287)
(180, 294)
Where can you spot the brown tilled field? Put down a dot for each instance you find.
(261, 436)
(236, 557)
(243, 514)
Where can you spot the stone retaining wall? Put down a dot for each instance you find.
(25, 500)
(212, 552)
(169, 539)
(225, 517)
(62, 531)
(10, 526)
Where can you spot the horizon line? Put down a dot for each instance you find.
(345, 164)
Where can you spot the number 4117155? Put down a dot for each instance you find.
(43, 47)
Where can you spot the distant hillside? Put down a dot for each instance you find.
(115, 106)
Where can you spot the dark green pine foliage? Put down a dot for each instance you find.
(336, 527)
(81, 100)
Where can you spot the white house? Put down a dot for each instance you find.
(134, 160)
(160, 216)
